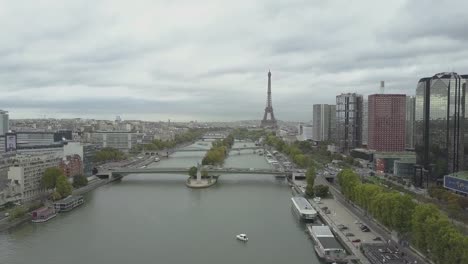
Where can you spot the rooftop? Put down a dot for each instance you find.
(460, 174)
(70, 199)
(329, 243)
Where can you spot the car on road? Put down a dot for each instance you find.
(356, 240)
(342, 227)
(349, 234)
(364, 228)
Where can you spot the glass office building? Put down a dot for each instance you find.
(440, 122)
(348, 121)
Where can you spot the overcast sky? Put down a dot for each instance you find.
(208, 60)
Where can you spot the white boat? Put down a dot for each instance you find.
(326, 246)
(303, 208)
(156, 159)
(242, 237)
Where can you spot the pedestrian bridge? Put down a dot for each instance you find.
(119, 172)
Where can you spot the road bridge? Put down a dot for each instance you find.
(118, 172)
(232, 149)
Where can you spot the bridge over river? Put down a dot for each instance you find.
(120, 172)
(232, 149)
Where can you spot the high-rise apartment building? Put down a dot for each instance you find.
(365, 119)
(348, 121)
(440, 126)
(3, 122)
(324, 122)
(387, 118)
(410, 105)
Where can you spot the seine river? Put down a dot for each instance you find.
(157, 219)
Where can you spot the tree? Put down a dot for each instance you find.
(204, 173)
(321, 190)
(56, 196)
(63, 187)
(50, 176)
(79, 181)
(193, 172)
(310, 179)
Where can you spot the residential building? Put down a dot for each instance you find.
(122, 140)
(348, 121)
(4, 126)
(440, 126)
(27, 171)
(410, 105)
(387, 120)
(85, 151)
(365, 119)
(324, 122)
(71, 165)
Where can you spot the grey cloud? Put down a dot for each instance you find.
(209, 60)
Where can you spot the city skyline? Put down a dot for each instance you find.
(195, 61)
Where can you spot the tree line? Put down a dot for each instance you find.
(218, 152)
(158, 144)
(428, 228)
(109, 154)
(302, 153)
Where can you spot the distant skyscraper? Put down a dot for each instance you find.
(324, 122)
(348, 121)
(387, 114)
(440, 126)
(410, 100)
(365, 119)
(3, 122)
(270, 123)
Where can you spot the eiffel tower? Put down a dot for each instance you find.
(269, 123)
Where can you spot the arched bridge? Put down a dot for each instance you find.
(184, 171)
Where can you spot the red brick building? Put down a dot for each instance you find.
(386, 124)
(71, 165)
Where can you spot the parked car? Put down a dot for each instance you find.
(342, 227)
(356, 240)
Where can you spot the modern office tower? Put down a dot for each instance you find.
(387, 118)
(365, 119)
(410, 100)
(348, 121)
(3, 122)
(440, 126)
(324, 122)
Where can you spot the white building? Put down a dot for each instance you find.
(27, 171)
(35, 138)
(323, 122)
(305, 132)
(122, 140)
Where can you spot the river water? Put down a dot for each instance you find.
(157, 219)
